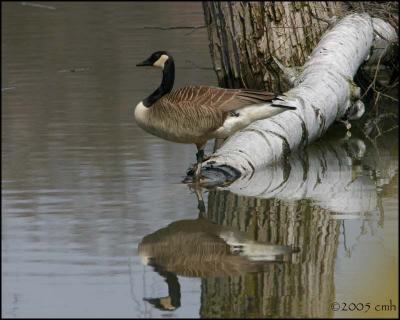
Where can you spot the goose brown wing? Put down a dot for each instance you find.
(240, 98)
(189, 109)
(224, 100)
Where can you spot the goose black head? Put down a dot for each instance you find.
(157, 59)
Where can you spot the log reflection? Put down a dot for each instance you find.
(303, 288)
(298, 204)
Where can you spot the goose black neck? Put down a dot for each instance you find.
(166, 84)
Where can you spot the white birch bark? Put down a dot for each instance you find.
(323, 91)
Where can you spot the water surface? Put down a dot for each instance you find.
(83, 186)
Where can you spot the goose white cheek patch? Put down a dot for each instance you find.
(161, 61)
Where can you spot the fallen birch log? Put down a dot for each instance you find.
(323, 92)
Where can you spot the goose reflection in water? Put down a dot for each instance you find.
(201, 248)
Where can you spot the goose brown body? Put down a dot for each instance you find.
(194, 114)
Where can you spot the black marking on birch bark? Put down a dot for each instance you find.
(249, 163)
(321, 118)
(304, 132)
(324, 164)
(323, 124)
(302, 102)
(278, 124)
(287, 168)
(304, 161)
(252, 167)
(285, 144)
(317, 111)
(317, 181)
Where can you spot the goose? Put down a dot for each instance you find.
(195, 114)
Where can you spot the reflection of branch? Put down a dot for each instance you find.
(175, 27)
(348, 251)
(372, 129)
(381, 212)
(192, 28)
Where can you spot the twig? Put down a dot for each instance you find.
(379, 34)
(376, 102)
(375, 75)
(387, 96)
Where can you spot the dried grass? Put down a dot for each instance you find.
(386, 10)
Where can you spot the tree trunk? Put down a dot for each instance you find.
(245, 35)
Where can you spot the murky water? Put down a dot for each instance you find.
(88, 198)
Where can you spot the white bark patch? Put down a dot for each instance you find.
(323, 93)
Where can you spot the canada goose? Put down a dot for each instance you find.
(195, 114)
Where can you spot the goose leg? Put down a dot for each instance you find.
(173, 300)
(199, 157)
(200, 201)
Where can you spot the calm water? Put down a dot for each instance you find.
(88, 198)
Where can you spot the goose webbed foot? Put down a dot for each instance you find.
(191, 170)
(193, 174)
